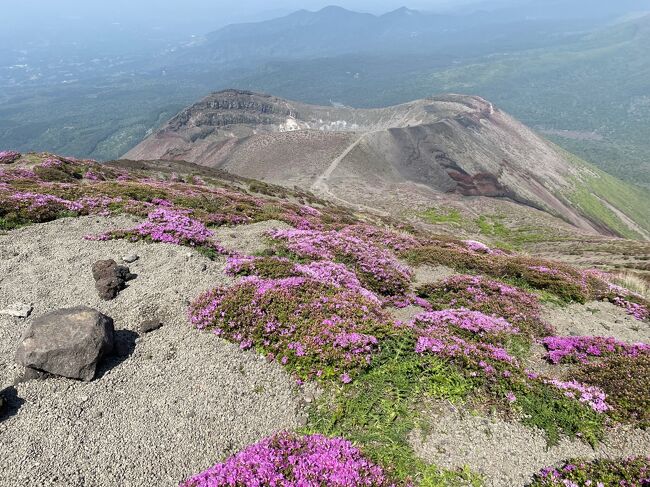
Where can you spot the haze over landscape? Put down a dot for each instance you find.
(377, 243)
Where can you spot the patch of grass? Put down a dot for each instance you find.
(437, 216)
(379, 410)
(493, 226)
(513, 238)
(550, 410)
(208, 252)
(593, 192)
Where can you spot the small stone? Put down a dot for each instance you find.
(309, 398)
(204, 267)
(17, 310)
(129, 259)
(150, 325)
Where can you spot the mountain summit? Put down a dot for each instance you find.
(449, 149)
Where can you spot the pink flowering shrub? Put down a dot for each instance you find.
(211, 203)
(376, 268)
(489, 297)
(273, 267)
(319, 330)
(562, 280)
(632, 472)
(464, 336)
(581, 348)
(470, 341)
(267, 267)
(168, 226)
(634, 304)
(51, 162)
(289, 460)
(625, 379)
(392, 240)
(590, 395)
(8, 157)
(481, 248)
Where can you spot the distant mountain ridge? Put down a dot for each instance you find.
(444, 149)
(335, 31)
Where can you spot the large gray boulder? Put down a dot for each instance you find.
(67, 342)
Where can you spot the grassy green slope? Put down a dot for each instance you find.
(595, 192)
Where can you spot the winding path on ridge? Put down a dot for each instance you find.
(320, 184)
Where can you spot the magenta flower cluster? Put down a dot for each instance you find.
(593, 396)
(289, 460)
(325, 271)
(638, 311)
(481, 248)
(51, 162)
(581, 348)
(631, 472)
(319, 329)
(168, 226)
(9, 156)
(456, 333)
(634, 304)
(490, 297)
(395, 241)
(376, 267)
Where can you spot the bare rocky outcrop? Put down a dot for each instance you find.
(67, 342)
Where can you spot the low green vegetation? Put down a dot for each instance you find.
(622, 378)
(555, 414)
(436, 216)
(594, 191)
(493, 226)
(382, 407)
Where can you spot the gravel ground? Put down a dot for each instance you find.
(508, 453)
(405, 314)
(427, 274)
(597, 318)
(179, 403)
(248, 239)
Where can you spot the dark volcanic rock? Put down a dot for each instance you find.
(150, 325)
(110, 278)
(67, 342)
